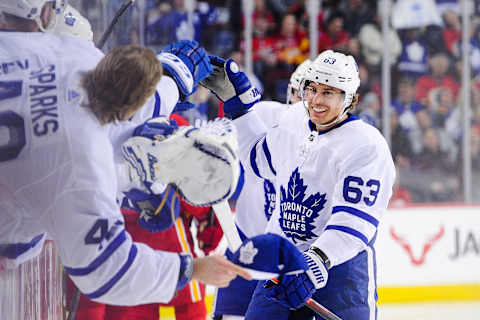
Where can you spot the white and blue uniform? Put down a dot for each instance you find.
(253, 209)
(58, 175)
(333, 188)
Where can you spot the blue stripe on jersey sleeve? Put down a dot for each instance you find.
(350, 231)
(14, 250)
(107, 286)
(358, 213)
(114, 245)
(253, 160)
(268, 155)
(158, 102)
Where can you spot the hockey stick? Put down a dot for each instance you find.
(225, 217)
(114, 21)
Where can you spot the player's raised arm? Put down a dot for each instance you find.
(232, 86)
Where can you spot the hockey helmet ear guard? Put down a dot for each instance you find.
(32, 9)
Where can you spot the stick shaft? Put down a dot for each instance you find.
(114, 21)
(225, 217)
(321, 310)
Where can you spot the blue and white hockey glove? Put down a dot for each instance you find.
(269, 255)
(156, 128)
(292, 291)
(156, 212)
(188, 63)
(232, 86)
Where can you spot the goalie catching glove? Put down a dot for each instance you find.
(201, 163)
(232, 86)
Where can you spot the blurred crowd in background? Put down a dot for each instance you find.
(426, 68)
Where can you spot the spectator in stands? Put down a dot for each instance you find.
(260, 11)
(170, 24)
(474, 47)
(371, 40)
(301, 13)
(435, 171)
(405, 105)
(262, 47)
(333, 36)
(452, 32)
(413, 60)
(291, 44)
(369, 109)
(442, 106)
(370, 81)
(357, 13)
(439, 78)
(401, 147)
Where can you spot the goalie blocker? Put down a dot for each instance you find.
(200, 163)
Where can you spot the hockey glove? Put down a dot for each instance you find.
(156, 128)
(268, 255)
(232, 86)
(187, 62)
(201, 163)
(292, 291)
(156, 212)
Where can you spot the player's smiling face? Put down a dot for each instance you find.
(325, 103)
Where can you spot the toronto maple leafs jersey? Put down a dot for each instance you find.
(333, 186)
(257, 200)
(58, 177)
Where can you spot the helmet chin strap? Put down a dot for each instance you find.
(334, 121)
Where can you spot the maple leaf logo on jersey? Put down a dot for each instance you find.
(270, 196)
(247, 253)
(296, 212)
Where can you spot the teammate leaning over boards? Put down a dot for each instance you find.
(256, 201)
(334, 175)
(57, 173)
(29, 49)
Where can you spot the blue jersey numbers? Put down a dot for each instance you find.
(356, 190)
(12, 126)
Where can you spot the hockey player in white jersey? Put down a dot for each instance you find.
(334, 176)
(257, 199)
(57, 173)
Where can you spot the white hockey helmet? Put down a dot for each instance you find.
(296, 79)
(336, 70)
(72, 23)
(32, 9)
